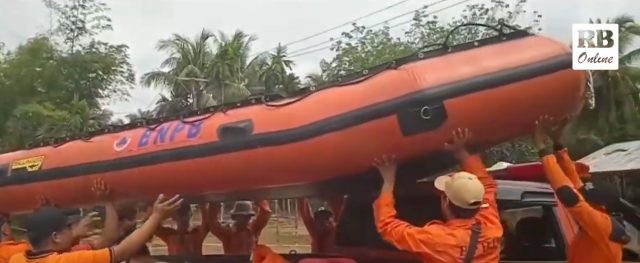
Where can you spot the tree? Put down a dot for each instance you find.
(363, 47)
(233, 69)
(615, 116)
(274, 70)
(186, 71)
(79, 20)
(53, 88)
(139, 114)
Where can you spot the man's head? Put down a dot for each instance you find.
(49, 229)
(5, 228)
(601, 194)
(324, 221)
(463, 194)
(242, 213)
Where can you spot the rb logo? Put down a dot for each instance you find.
(595, 46)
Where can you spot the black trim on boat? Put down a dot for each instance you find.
(307, 131)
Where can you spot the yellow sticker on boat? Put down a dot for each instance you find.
(30, 164)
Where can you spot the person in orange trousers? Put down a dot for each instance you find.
(242, 235)
(8, 245)
(471, 231)
(264, 254)
(322, 226)
(602, 235)
(185, 240)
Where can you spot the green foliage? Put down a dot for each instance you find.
(615, 116)
(79, 20)
(362, 48)
(53, 89)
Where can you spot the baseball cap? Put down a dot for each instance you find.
(462, 189)
(44, 222)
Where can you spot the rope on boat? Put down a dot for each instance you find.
(269, 99)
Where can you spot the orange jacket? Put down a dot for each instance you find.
(446, 242)
(85, 256)
(10, 248)
(263, 254)
(591, 243)
(240, 241)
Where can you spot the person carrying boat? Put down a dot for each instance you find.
(183, 240)
(471, 231)
(322, 224)
(109, 234)
(602, 235)
(242, 234)
(50, 234)
(8, 245)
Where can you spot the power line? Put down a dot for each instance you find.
(297, 53)
(338, 26)
(370, 26)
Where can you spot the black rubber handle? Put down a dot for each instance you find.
(235, 130)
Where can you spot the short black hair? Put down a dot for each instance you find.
(462, 213)
(44, 222)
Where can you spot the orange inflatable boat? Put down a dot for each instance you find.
(496, 87)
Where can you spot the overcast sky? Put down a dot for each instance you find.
(141, 23)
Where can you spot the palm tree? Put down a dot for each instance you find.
(274, 70)
(233, 71)
(616, 115)
(185, 71)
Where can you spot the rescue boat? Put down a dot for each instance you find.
(497, 87)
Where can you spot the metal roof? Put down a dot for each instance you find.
(618, 157)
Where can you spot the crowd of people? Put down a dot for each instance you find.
(471, 229)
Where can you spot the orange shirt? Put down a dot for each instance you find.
(86, 256)
(240, 241)
(191, 243)
(10, 248)
(326, 243)
(446, 242)
(263, 254)
(591, 243)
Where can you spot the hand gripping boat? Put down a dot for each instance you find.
(497, 87)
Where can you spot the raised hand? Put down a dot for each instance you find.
(387, 167)
(460, 137)
(101, 190)
(164, 208)
(540, 137)
(84, 228)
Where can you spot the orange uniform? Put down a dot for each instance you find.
(189, 243)
(325, 243)
(87, 256)
(263, 254)
(592, 242)
(10, 248)
(446, 242)
(240, 241)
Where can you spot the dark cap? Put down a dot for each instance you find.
(44, 222)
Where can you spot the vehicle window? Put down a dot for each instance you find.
(632, 250)
(531, 233)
